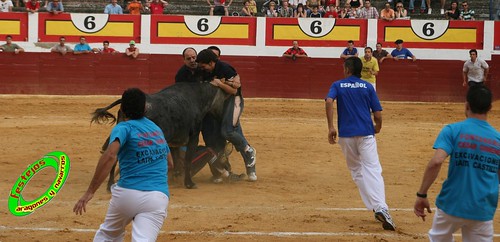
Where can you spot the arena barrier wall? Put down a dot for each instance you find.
(266, 77)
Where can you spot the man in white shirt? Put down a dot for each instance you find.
(475, 70)
(6, 6)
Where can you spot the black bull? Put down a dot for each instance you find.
(178, 110)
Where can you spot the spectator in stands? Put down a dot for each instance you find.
(245, 11)
(422, 6)
(387, 13)
(400, 52)
(295, 3)
(300, 12)
(466, 13)
(6, 6)
(32, 6)
(61, 48)
(353, 12)
(55, 7)
(311, 3)
(429, 10)
(453, 13)
(285, 11)
(329, 3)
(344, 12)
(475, 71)
(10, 47)
(368, 11)
(132, 51)
(272, 12)
(350, 51)
(380, 53)
(219, 7)
(401, 12)
(332, 12)
(113, 8)
(315, 13)
(105, 49)
(135, 7)
(355, 3)
(295, 51)
(82, 47)
(370, 67)
(157, 6)
(253, 7)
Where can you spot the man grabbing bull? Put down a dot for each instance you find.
(211, 127)
(225, 77)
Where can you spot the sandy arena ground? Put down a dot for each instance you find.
(304, 191)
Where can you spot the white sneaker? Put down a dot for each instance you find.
(383, 216)
(217, 180)
(252, 177)
(429, 11)
(442, 11)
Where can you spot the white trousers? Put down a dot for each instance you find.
(362, 160)
(146, 209)
(444, 225)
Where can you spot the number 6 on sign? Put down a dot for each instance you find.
(429, 29)
(89, 23)
(204, 25)
(315, 27)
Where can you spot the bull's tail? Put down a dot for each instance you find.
(101, 115)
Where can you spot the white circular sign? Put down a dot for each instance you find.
(89, 23)
(316, 27)
(429, 29)
(202, 25)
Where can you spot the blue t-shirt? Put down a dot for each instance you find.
(350, 52)
(356, 100)
(401, 54)
(471, 189)
(82, 47)
(142, 156)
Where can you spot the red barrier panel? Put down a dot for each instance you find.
(272, 77)
(14, 24)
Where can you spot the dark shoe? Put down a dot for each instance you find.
(383, 216)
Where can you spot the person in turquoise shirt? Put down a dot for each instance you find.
(141, 195)
(82, 47)
(469, 196)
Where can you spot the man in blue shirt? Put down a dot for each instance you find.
(350, 51)
(113, 8)
(469, 196)
(356, 101)
(141, 194)
(400, 52)
(82, 47)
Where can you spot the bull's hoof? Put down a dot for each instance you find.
(190, 186)
(235, 177)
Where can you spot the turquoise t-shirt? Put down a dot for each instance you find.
(142, 156)
(471, 189)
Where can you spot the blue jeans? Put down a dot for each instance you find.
(233, 133)
(412, 6)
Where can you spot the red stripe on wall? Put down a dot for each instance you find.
(270, 77)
